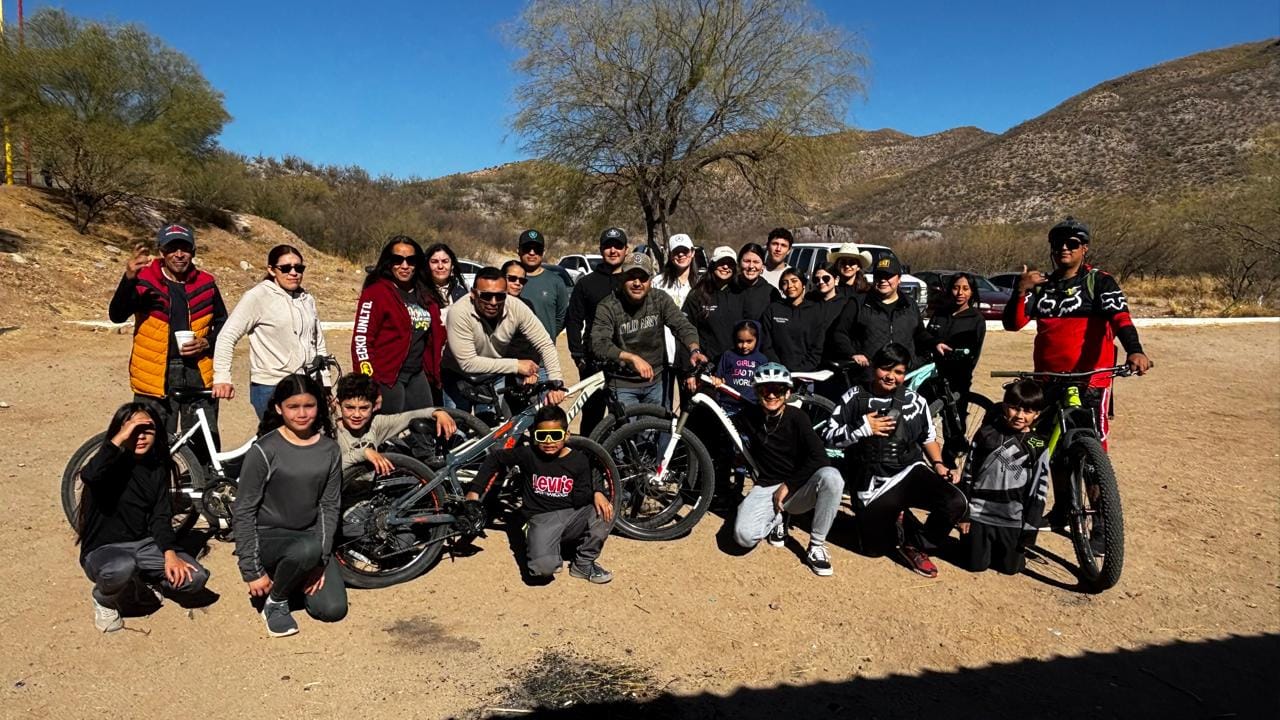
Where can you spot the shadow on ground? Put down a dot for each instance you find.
(1228, 678)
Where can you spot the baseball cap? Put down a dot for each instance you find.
(531, 237)
(723, 252)
(613, 236)
(887, 265)
(640, 261)
(679, 240)
(173, 233)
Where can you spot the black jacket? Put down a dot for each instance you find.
(587, 294)
(794, 336)
(966, 330)
(866, 325)
(756, 298)
(714, 317)
(125, 500)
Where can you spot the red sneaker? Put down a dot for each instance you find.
(918, 561)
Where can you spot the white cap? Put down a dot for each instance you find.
(722, 252)
(679, 240)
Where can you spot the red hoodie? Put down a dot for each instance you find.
(383, 331)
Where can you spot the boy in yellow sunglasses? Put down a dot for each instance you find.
(561, 500)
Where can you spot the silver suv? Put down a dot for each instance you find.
(808, 257)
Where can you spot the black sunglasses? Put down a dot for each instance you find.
(534, 248)
(823, 279)
(493, 297)
(1068, 243)
(614, 245)
(516, 278)
(410, 260)
(286, 269)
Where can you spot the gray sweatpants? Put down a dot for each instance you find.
(757, 516)
(545, 532)
(112, 568)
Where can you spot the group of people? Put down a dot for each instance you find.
(421, 337)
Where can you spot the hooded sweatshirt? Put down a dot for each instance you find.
(622, 326)
(794, 335)
(284, 334)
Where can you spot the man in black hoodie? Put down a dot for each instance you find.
(882, 317)
(587, 294)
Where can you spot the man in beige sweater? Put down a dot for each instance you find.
(481, 328)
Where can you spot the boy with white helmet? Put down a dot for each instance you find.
(794, 476)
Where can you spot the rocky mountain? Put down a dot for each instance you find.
(1188, 124)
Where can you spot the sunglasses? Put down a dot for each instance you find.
(492, 297)
(824, 279)
(516, 279)
(771, 391)
(286, 269)
(553, 435)
(410, 260)
(1068, 243)
(531, 249)
(613, 245)
(681, 251)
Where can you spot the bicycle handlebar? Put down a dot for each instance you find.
(1117, 371)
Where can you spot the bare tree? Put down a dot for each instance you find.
(645, 95)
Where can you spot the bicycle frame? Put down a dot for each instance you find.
(215, 458)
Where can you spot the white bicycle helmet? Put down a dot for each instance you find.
(772, 374)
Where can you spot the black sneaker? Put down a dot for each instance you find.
(819, 561)
(594, 574)
(280, 622)
(777, 537)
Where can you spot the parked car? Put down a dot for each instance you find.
(991, 298)
(469, 269)
(1008, 280)
(808, 257)
(579, 265)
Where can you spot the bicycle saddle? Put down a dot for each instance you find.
(814, 376)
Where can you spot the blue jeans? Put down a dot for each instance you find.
(260, 397)
(651, 393)
(453, 397)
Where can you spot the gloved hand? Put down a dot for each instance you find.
(471, 518)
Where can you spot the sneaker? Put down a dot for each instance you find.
(594, 573)
(777, 537)
(819, 561)
(106, 619)
(918, 561)
(280, 622)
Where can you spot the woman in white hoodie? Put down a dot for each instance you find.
(280, 318)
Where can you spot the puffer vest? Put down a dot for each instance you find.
(150, 356)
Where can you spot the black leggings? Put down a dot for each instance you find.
(921, 488)
(411, 393)
(290, 556)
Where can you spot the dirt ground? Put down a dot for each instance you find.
(1191, 629)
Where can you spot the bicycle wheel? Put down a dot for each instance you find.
(369, 553)
(503, 503)
(1096, 515)
(956, 432)
(469, 426)
(189, 473)
(611, 422)
(653, 509)
(818, 409)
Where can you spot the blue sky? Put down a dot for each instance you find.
(423, 88)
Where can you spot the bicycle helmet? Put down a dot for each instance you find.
(1070, 228)
(772, 374)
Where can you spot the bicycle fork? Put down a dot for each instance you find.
(669, 448)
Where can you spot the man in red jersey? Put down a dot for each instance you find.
(1080, 312)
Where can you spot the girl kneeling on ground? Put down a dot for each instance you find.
(125, 520)
(284, 528)
(894, 463)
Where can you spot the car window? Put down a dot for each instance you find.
(819, 257)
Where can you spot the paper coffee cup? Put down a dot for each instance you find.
(183, 337)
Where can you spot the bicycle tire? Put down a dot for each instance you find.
(504, 501)
(689, 472)
(1090, 467)
(357, 558)
(611, 422)
(469, 428)
(955, 450)
(189, 473)
(819, 410)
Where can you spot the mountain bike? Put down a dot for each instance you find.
(199, 488)
(666, 473)
(956, 416)
(394, 527)
(1074, 455)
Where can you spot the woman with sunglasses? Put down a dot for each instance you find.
(676, 280)
(399, 332)
(793, 330)
(446, 276)
(280, 318)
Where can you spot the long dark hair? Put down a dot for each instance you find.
(291, 385)
(278, 252)
(157, 454)
(948, 303)
(421, 275)
(670, 273)
(758, 250)
(455, 271)
(705, 289)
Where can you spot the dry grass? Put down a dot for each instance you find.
(1191, 296)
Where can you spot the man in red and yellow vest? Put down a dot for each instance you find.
(168, 298)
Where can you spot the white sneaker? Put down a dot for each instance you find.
(106, 619)
(819, 561)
